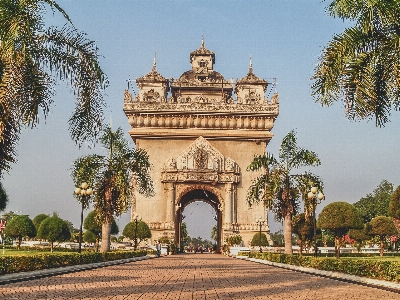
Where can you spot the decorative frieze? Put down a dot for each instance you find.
(153, 120)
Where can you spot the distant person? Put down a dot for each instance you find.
(158, 248)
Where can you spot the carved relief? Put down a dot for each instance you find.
(127, 97)
(201, 162)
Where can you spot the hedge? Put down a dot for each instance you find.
(376, 269)
(14, 264)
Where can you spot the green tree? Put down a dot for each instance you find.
(338, 218)
(114, 177)
(359, 236)
(185, 238)
(214, 233)
(3, 197)
(19, 227)
(235, 239)
(92, 224)
(54, 229)
(142, 232)
(360, 66)
(277, 188)
(165, 240)
(90, 237)
(38, 220)
(377, 203)
(255, 241)
(277, 238)
(304, 230)
(382, 227)
(394, 205)
(33, 58)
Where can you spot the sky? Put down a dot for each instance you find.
(284, 38)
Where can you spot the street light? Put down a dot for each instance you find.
(260, 221)
(136, 219)
(316, 198)
(84, 192)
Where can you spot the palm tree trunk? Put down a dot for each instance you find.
(381, 248)
(105, 237)
(287, 227)
(337, 246)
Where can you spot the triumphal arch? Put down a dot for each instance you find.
(201, 131)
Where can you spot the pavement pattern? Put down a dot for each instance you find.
(190, 276)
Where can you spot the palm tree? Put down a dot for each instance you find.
(280, 190)
(32, 59)
(360, 66)
(114, 177)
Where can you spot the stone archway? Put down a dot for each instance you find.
(201, 131)
(193, 194)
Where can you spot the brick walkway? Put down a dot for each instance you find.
(189, 276)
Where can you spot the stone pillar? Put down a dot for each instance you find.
(169, 189)
(228, 203)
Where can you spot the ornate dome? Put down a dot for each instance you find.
(212, 76)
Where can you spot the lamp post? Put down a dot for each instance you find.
(84, 191)
(315, 197)
(235, 228)
(136, 219)
(3, 223)
(260, 221)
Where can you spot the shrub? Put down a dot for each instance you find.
(14, 264)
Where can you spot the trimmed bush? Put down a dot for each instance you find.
(384, 270)
(15, 264)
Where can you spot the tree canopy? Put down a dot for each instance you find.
(33, 57)
(376, 203)
(382, 227)
(360, 66)
(255, 241)
(3, 198)
(338, 218)
(142, 232)
(394, 204)
(38, 220)
(54, 229)
(19, 227)
(303, 228)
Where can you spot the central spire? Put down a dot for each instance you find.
(250, 66)
(154, 69)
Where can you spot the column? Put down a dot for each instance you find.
(228, 204)
(169, 189)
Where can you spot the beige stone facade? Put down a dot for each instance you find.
(201, 132)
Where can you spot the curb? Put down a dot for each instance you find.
(380, 284)
(24, 276)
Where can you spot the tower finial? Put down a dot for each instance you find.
(202, 41)
(154, 62)
(250, 66)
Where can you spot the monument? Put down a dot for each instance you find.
(201, 131)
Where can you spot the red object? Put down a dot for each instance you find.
(2, 224)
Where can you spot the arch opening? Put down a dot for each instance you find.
(196, 195)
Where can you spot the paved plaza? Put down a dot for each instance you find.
(189, 276)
